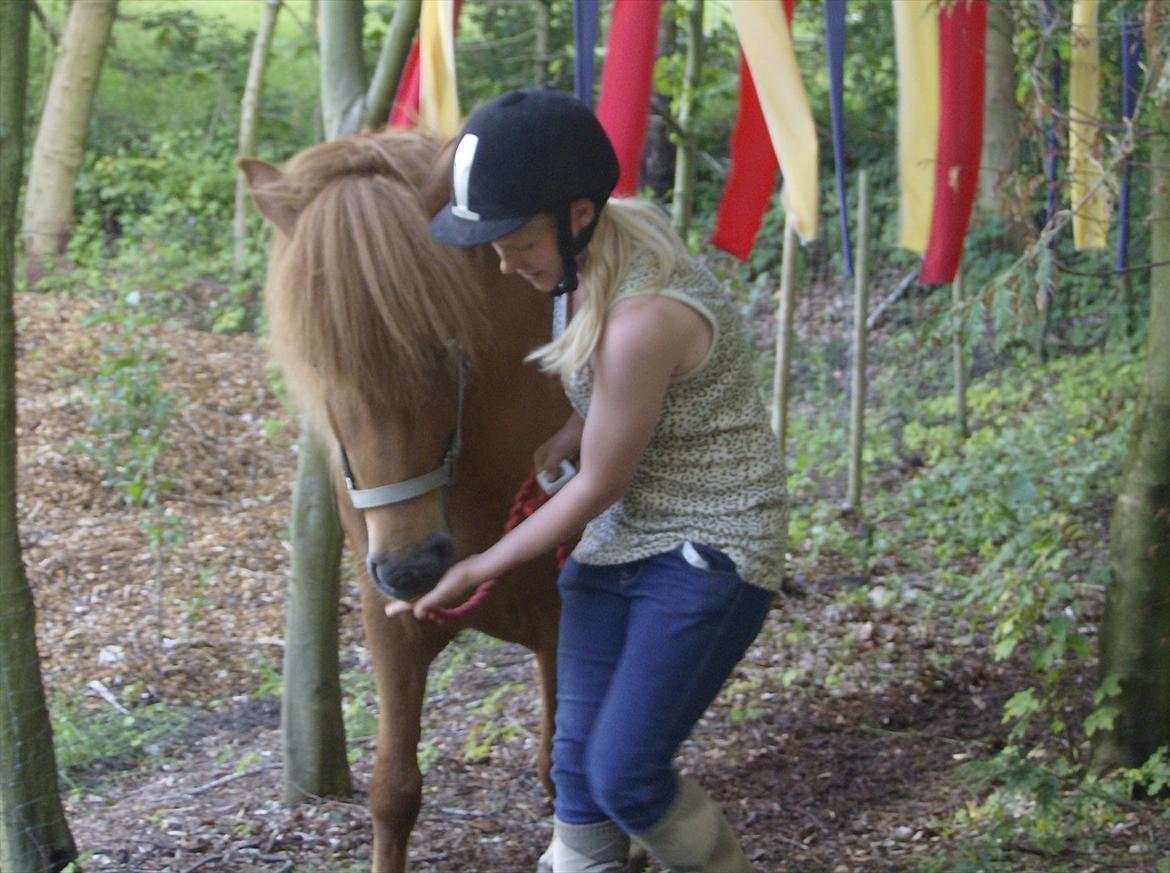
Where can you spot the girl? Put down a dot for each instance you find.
(680, 495)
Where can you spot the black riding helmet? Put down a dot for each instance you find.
(524, 153)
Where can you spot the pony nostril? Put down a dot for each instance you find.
(409, 575)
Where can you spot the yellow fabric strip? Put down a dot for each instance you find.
(916, 45)
(767, 45)
(438, 105)
(1089, 203)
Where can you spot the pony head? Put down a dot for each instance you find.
(371, 321)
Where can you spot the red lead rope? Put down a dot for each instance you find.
(529, 498)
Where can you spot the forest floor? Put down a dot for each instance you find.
(165, 624)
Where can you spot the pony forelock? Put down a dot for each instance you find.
(365, 308)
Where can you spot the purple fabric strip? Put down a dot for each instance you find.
(1131, 55)
(1050, 158)
(835, 45)
(584, 38)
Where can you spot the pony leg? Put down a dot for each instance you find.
(546, 672)
(402, 652)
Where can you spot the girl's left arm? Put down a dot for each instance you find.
(642, 345)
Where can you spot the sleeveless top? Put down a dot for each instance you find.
(712, 473)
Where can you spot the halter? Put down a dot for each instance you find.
(408, 489)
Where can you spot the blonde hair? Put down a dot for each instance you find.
(624, 225)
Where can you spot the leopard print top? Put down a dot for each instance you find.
(712, 473)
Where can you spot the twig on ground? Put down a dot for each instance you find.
(232, 777)
(203, 863)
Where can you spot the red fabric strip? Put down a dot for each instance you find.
(962, 35)
(627, 77)
(404, 112)
(751, 176)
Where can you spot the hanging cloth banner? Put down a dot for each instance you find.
(766, 41)
(962, 43)
(941, 69)
(404, 113)
(1090, 218)
(916, 42)
(835, 49)
(584, 39)
(438, 94)
(430, 71)
(1131, 57)
(751, 175)
(627, 78)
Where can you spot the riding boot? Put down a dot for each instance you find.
(593, 848)
(693, 836)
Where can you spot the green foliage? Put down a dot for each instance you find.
(1038, 802)
(489, 724)
(85, 739)
(130, 407)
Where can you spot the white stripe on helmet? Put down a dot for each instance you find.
(461, 176)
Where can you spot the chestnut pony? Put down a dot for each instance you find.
(401, 351)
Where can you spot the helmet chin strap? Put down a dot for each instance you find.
(570, 247)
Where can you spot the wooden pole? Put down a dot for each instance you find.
(960, 359)
(860, 305)
(780, 386)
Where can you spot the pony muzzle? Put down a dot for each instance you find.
(409, 574)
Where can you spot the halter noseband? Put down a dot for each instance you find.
(408, 489)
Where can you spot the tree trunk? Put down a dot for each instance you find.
(343, 71)
(540, 42)
(34, 835)
(1135, 630)
(313, 729)
(59, 147)
(249, 110)
(395, 51)
(1001, 119)
(684, 162)
(312, 726)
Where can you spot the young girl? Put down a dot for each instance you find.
(679, 496)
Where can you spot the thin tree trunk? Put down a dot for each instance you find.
(313, 729)
(34, 835)
(684, 166)
(1001, 126)
(395, 51)
(784, 317)
(959, 359)
(249, 111)
(539, 42)
(59, 147)
(343, 72)
(860, 351)
(312, 726)
(1135, 630)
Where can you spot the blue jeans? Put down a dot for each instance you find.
(644, 649)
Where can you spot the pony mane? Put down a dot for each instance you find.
(363, 304)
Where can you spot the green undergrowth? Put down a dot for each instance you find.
(1005, 532)
(90, 741)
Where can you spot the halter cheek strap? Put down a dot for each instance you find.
(399, 492)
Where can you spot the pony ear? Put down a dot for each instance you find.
(270, 193)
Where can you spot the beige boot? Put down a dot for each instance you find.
(694, 837)
(593, 848)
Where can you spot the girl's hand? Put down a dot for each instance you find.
(565, 444)
(457, 582)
